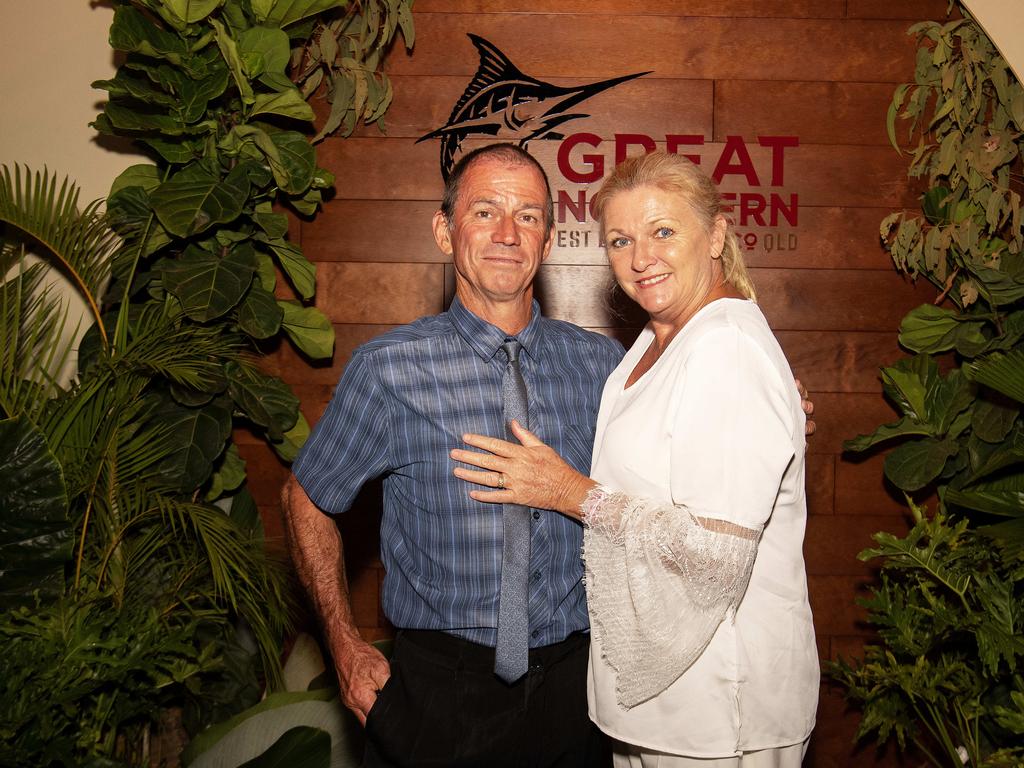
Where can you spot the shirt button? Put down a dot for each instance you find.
(535, 634)
(535, 576)
(536, 515)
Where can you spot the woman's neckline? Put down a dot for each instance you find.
(628, 386)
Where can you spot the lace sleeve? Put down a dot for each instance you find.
(659, 582)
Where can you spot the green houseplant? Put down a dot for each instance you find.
(135, 575)
(122, 594)
(945, 672)
(205, 87)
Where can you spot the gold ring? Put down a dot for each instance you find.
(501, 480)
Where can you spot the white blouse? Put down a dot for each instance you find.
(712, 432)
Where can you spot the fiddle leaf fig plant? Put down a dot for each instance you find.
(944, 673)
(206, 87)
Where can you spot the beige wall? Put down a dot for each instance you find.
(50, 52)
(1003, 21)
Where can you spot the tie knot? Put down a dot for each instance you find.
(511, 347)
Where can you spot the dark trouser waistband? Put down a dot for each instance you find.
(456, 651)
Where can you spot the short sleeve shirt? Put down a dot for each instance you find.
(403, 403)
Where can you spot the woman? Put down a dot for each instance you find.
(703, 650)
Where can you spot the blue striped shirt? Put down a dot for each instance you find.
(404, 401)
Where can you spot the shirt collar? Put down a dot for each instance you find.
(486, 339)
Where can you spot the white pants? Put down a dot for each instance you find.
(630, 756)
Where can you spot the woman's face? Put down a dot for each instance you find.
(660, 253)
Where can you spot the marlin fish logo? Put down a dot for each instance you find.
(501, 101)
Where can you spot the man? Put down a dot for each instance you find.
(403, 403)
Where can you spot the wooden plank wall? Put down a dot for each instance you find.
(820, 70)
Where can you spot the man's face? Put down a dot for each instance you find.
(497, 237)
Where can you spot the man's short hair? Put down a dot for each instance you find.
(506, 153)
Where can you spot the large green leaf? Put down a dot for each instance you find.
(243, 510)
(130, 215)
(193, 200)
(35, 533)
(125, 118)
(292, 159)
(264, 50)
(1013, 332)
(274, 225)
(935, 205)
(259, 175)
(207, 285)
(281, 13)
(266, 400)
(998, 457)
(229, 475)
(1003, 497)
(195, 95)
(933, 329)
(992, 421)
(181, 13)
(904, 426)
(229, 50)
(266, 275)
(907, 383)
(144, 175)
(295, 162)
(294, 439)
(260, 316)
(946, 399)
(287, 103)
(300, 270)
(199, 435)
(913, 465)
(1004, 285)
(251, 733)
(132, 32)
(124, 85)
(308, 203)
(309, 329)
(174, 150)
(299, 747)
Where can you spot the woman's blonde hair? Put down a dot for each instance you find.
(673, 173)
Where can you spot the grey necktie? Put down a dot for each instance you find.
(511, 652)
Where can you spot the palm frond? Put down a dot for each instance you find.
(1003, 372)
(245, 579)
(81, 241)
(33, 347)
(161, 344)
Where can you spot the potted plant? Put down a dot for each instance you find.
(945, 670)
(135, 577)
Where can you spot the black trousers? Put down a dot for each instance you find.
(444, 706)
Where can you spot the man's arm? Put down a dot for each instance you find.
(318, 554)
